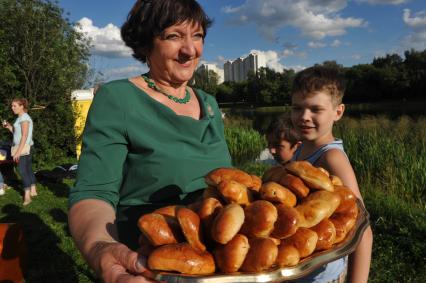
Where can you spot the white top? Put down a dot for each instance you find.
(17, 130)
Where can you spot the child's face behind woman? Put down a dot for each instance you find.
(313, 116)
(281, 150)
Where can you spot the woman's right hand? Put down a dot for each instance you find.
(114, 262)
(6, 125)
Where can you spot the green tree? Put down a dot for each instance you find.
(224, 93)
(415, 64)
(206, 80)
(43, 58)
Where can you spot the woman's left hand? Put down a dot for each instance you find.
(16, 156)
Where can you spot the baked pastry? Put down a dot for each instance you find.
(257, 183)
(182, 258)
(261, 255)
(209, 208)
(294, 184)
(168, 210)
(231, 256)
(227, 174)
(326, 234)
(304, 240)
(260, 217)
(189, 222)
(345, 221)
(316, 207)
(212, 192)
(347, 198)
(227, 223)
(274, 174)
(159, 229)
(313, 177)
(288, 255)
(287, 222)
(234, 192)
(276, 193)
(336, 180)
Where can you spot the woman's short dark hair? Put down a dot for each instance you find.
(149, 18)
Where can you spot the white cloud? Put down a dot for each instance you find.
(287, 53)
(272, 59)
(417, 22)
(356, 56)
(296, 68)
(316, 44)
(384, 2)
(106, 41)
(316, 19)
(124, 72)
(293, 53)
(336, 43)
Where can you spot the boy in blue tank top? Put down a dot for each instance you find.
(316, 104)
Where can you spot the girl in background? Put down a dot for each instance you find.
(22, 130)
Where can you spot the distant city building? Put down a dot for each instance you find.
(237, 70)
(212, 67)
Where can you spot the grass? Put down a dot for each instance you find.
(51, 256)
(388, 156)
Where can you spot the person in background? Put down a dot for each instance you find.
(316, 105)
(148, 141)
(282, 140)
(2, 185)
(22, 148)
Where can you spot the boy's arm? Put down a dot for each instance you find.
(336, 162)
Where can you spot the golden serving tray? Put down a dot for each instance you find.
(303, 268)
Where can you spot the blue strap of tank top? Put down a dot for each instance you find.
(337, 144)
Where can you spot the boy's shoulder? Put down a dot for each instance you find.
(335, 160)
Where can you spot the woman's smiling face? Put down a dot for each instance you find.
(176, 52)
(17, 108)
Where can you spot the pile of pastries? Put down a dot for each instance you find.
(248, 224)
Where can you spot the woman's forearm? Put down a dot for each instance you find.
(92, 222)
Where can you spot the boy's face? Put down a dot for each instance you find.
(313, 116)
(281, 150)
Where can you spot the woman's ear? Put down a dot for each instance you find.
(340, 109)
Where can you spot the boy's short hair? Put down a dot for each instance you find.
(282, 129)
(320, 78)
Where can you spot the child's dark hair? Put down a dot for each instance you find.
(320, 78)
(282, 129)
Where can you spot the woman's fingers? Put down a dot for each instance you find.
(117, 263)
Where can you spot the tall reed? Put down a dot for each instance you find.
(388, 156)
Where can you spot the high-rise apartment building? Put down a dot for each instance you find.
(238, 69)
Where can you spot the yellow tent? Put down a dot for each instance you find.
(81, 101)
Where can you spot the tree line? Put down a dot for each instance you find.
(387, 78)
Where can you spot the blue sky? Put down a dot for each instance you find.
(291, 33)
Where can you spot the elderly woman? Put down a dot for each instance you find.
(148, 141)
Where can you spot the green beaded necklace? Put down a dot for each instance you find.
(153, 86)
